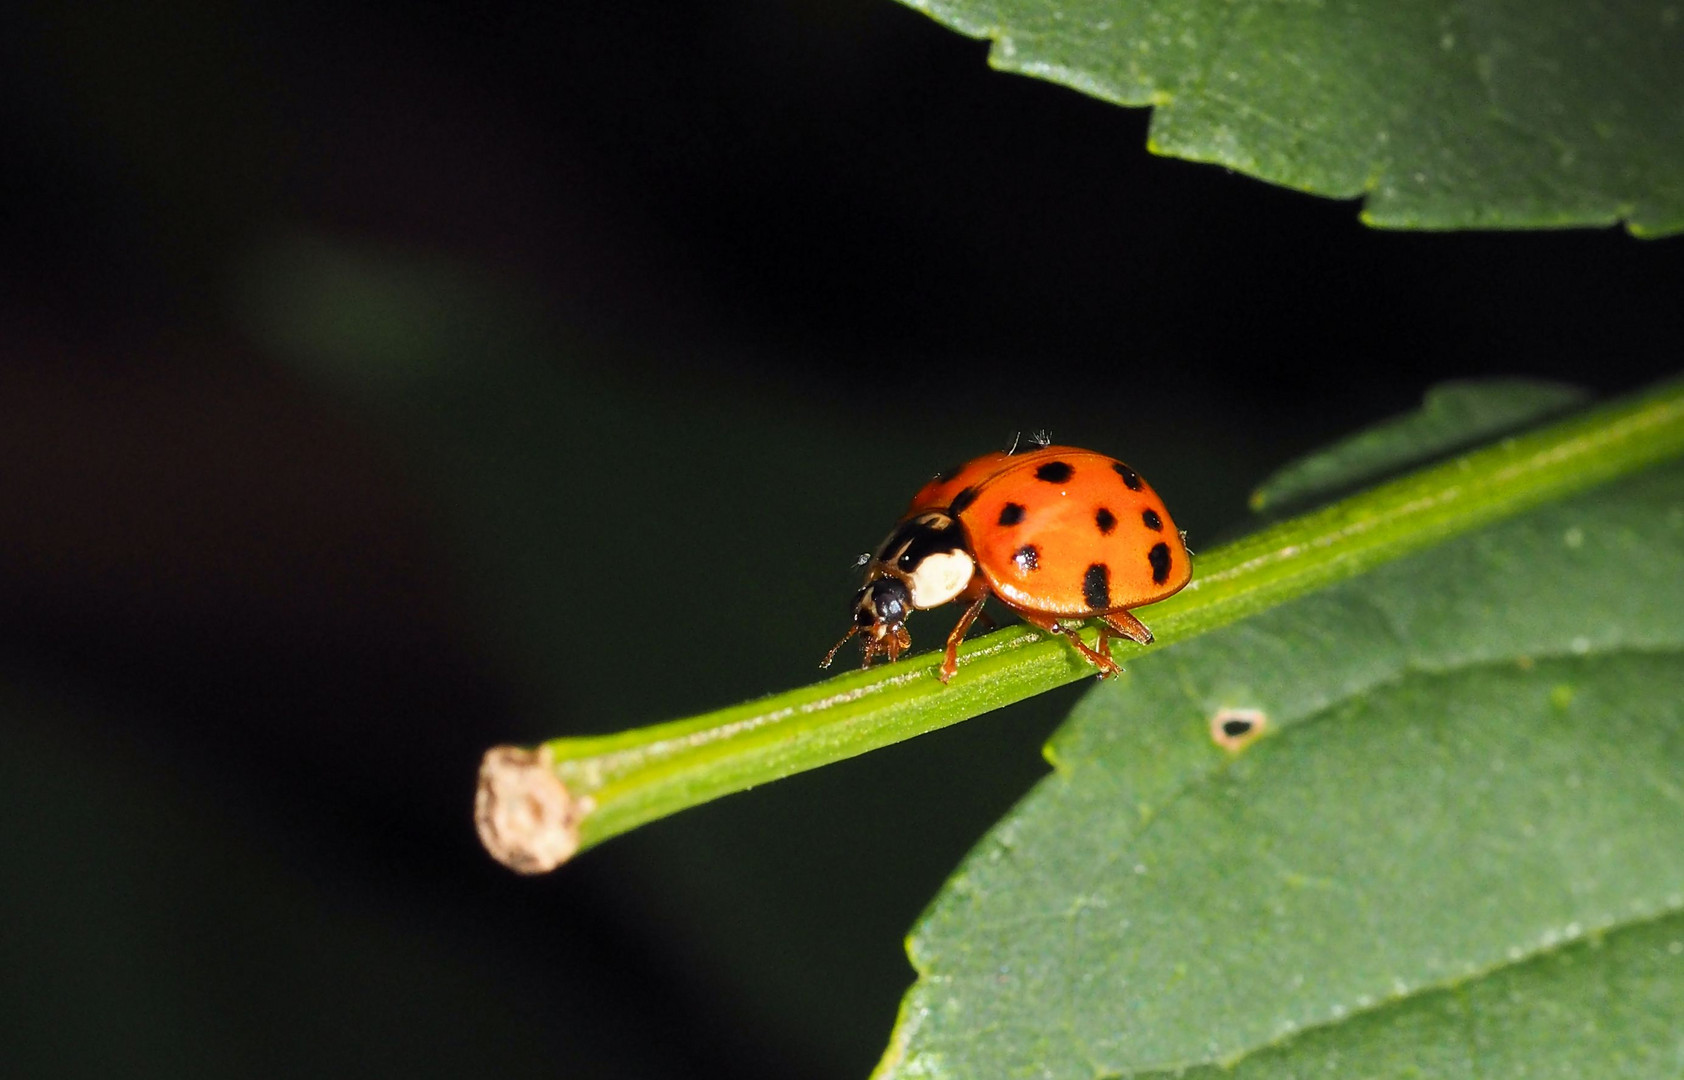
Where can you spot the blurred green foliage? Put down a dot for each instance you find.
(1452, 417)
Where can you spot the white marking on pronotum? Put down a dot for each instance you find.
(939, 577)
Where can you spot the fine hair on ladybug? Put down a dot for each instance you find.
(1058, 534)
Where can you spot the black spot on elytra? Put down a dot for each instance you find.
(1027, 557)
(1235, 728)
(1096, 586)
(1152, 520)
(962, 501)
(1106, 520)
(1159, 558)
(1011, 514)
(1054, 472)
(1130, 477)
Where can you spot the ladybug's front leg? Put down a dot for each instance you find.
(950, 662)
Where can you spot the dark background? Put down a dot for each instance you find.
(377, 385)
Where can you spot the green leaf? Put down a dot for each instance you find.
(1496, 113)
(1606, 1007)
(1473, 758)
(1453, 416)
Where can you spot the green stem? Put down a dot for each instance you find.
(617, 782)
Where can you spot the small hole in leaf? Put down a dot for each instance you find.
(1235, 729)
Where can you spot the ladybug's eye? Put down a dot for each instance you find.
(907, 560)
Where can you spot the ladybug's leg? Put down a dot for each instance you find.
(950, 662)
(1100, 660)
(1126, 624)
(987, 621)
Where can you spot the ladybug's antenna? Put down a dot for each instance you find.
(831, 655)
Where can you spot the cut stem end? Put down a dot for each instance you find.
(526, 818)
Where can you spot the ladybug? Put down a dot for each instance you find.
(1058, 534)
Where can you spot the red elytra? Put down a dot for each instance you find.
(1055, 533)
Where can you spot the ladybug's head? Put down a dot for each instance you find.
(880, 608)
(879, 614)
(924, 563)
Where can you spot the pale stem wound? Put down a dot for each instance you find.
(525, 816)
